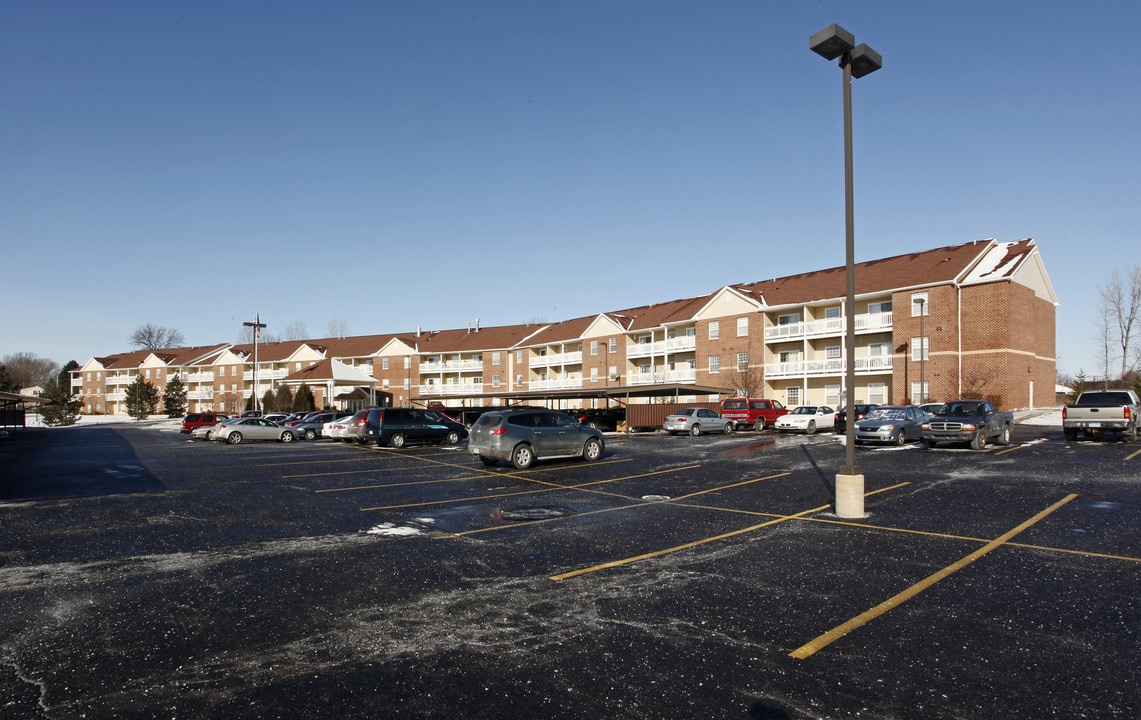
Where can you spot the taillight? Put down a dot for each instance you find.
(498, 431)
(1128, 413)
(1063, 412)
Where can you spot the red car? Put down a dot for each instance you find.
(194, 420)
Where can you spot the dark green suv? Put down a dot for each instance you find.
(397, 426)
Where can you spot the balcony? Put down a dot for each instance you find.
(265, 375)
(802, 368)
(557, 384)
(686, 343)
(664, 376)
(553, 359)
(450, 366)
(872, 322)
(451, 389)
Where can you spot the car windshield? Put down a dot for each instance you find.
(805, 410)
(887, 414)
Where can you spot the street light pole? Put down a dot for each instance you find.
(856, 61)
(257, 325)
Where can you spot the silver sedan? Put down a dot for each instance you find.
(696, 421)
(251, 428)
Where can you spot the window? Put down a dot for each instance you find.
(742, 327)
(714, 364)
(742, 362)
(407, 362)
(495, 381)
(792, 395)
(519, 379)
(787, 356)
(879, 307)
(788, 319)
(832, 395)
(832, 352)
(594, 374)
(384, 384)
(407, 383)
(519, 357)
(477, 380)
(614, 372)
(832, 312)
(593, 347)
(384, 363)
(877, 393)
(879, 350)
(148, 373)
(919, 305)
(919, 349)
(714, 329)
(613, 344)
(495, 358)
(918, 393)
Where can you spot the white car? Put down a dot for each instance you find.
(807, 419)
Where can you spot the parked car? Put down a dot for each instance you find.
(524, 435)
(930, 408)
(396, 426)
(311, 427)
(893, 424)
(968, 421)
(1097, 412)
(696, 421)
(251, 413)
(601, 418)
(294, 418)
(196, 420)
(807, 419)
(203, 432)
(251, 428)
(275, 418)
(349, 429)
(757, 413)
(840, 423)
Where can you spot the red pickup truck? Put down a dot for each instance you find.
(757, 413)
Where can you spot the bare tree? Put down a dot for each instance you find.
(28, 370)
(295, 330)
(1120, 306)
(338, 329)
(154, 337)
(246, 336)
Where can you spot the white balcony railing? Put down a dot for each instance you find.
(451, 388)
(551, 359)
(557, 384)
(801, 368)
(664, 376)
(662, 347)
(450, 366)
(265, 375)
(871, 322)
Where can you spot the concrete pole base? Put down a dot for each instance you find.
(849, 496)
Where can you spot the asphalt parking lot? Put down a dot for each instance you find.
(144, 575)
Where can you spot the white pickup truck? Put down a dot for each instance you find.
(1102, 411)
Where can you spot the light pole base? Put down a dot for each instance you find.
(849, 495)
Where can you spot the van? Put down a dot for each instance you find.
(194, 420)
(396, 426)
(757, 413)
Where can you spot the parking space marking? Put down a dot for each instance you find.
(1132, 455)
(1010, 449)
(811, 648)
(643, 503)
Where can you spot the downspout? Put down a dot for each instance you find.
(959, 331)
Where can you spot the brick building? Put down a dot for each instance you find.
(976, 320)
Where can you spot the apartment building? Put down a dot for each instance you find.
(976, 319)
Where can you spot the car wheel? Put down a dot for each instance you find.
(522, 456)
(310, 434)
(928, 444)
(452, 438)
(811, 429)
(287, 437)
(729, 428)
(209, 434)
(759, 425)
(490, 462)
(900, 439)
(397, 440)
(978, 442)
(234, 438)
(1071, 435)
(695, 430)
(1004, 436)
(1131, 432)
(592, 450)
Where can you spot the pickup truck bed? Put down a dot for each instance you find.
(1102, 411)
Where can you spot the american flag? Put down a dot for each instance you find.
(257, 325)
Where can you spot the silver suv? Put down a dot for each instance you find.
(524, 435)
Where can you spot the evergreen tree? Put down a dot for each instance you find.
(284, 399)
(142, 398)
(269, 401)
(63, 408)
(64, 377)
(249, 403)
(174, 397)
(6, 384)
(303, 400)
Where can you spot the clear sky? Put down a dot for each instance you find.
(400, 164)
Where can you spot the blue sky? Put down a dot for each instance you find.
(400, 164)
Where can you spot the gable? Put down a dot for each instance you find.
(726, 303)
(602, 326)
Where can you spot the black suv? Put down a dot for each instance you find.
(524, 435)
(396, 426)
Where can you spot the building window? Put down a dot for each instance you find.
(494, 358)
(879, 307)
(832, 352)
(742, 362)
(594, 374)
(714, 330)
(593, 347)
(919, 349)
(613, 344)
(788, 356)
(742, 327)
(918, 393)
(877, 393)
(879, 350)
(919, 305)
(792, 395)
(714, 364)
(519, 380)
(407, 383)
(832, 312)
(495, 380)
(519, 356)
(384, 384)
(788, 319)
(832, 395)
(384, 363)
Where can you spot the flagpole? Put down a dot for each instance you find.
(257, 325)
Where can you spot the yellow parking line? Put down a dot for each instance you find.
(1010, 449)
(686, 546)
(811, 648)
(1132, 455)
